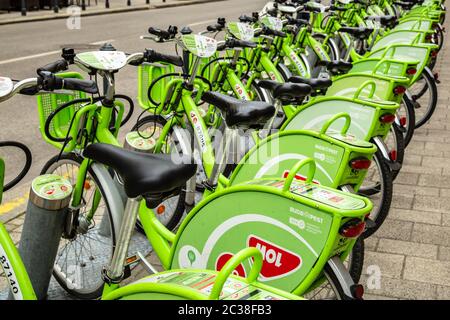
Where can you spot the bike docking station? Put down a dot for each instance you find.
(49, 200)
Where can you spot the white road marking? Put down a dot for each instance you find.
(49, 53)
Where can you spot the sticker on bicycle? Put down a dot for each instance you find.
(272, 23)
(200, 46)
(297, 61)
(241, 92)
(328, 197)
(277, 261)
(139, 141)
(298, 176)
(241, 31)
(103, 60)
(51, 187)
(223, 259)
(198, 130)
(6, 86)
(204, 282)
(10, 275)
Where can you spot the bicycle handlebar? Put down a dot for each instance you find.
(48, 81)
(153, 56)
(54, 67)
(235, 43)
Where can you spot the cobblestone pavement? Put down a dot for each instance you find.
(412, 248)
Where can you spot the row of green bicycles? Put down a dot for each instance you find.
(264, 154)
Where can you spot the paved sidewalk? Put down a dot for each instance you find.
(412, 248)
(115, 6)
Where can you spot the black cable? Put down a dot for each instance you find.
(28, 161)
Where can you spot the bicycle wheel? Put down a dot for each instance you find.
(396, 146)
(170, 211)
(330, 47)
(406, 119)
(83, 254)
(331, 288)
(424, 97)
(378, 187)
(355, 260)
(257, 93)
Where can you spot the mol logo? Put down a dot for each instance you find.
(223, 259)
(277, 261)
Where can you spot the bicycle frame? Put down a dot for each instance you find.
(10, 261)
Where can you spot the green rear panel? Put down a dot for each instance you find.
(232, 223)
(291, 229)
(347, 87)
(401, 36)
(275, 156)
(313, 117)
(402, 52)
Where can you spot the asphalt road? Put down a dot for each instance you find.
(27, 46)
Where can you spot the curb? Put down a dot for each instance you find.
(56, 16)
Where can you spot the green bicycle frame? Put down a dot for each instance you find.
(10, 261)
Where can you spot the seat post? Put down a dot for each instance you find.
(374, 38)
(114, 272)
(221, 161)
(264, 133)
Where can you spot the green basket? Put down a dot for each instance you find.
(147, 73)
(48, 102)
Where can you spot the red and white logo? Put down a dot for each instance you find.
(277, 261)
(223, 259)
(298, 177)
(194, 117)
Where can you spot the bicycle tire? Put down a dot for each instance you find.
(410, 119)
(431, 84)
(386, 190)
(400, 148)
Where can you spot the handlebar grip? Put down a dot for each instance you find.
(30, 91)
(87, 86)
(245, 18)
(235, 43)
(48, 81)
(222, 46)
(153, 56)
(54, 67)
(271, 32)
(159, 33)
